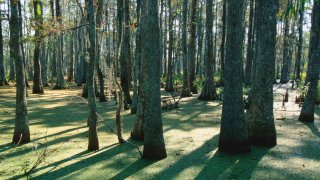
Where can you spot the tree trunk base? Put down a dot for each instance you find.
(309, 118)
(233, 146)
(37, 90)
(263, 140)
(154, 152)
(209, 97)
(20, 139)
(136, 135)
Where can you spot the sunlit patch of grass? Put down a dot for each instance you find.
(191, 135)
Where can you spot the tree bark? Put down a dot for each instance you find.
(37, 80)
(21, 133)
(233, 133)
(186, 85)
(192, 48)
(60, 83)
(154, 146)
(308, 107)
(209, 88)
(169, 81)
(260, 122)
(248, 67)
(3, 80)
(286, 48)
(93, 135)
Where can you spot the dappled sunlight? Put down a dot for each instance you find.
(191, 132)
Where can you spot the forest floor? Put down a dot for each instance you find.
(58, 131)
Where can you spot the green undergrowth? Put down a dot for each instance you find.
(58, 129)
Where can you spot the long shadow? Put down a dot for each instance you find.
(195, 158)
(82, 164)
(81, 154)
(314, 129)
(47, 144)
(231, 166)
(133, 168)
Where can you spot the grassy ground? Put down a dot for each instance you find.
(58, 122)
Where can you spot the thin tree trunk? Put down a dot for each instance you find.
(3, 80)
(93, 136)
(37, 81)
(169, 80)
(192, 47)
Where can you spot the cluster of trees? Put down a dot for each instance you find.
(141, 41)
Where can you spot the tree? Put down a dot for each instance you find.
(223, 38)
(154, 146)
(3, 80)
(233, 133)
(186, 85)
(21, 133)
(300, 42)
(308, 107)
(260, 122)
(37, 80)
(209, 89)
(93, 136)
(102, 97)
(125, 57)
(60, 83)
(248, 67)
(285, 70)
(169, 83)
(192, 47)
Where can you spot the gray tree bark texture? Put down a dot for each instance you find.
(261, 127)
(154, 146)
(209, 88)
(37, 80)
(21, 133)
(233, 132)
(93, 135)
(192, 47)
(186, 85)
(308, 107)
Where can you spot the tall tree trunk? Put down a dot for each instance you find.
(300, 43)
(223, 40)
(71, 62)
(233, 133)
(136, 65)
(192, 47)
(154, 146)
(37, 81)
(3, 80)
(209, 89)
(21, 36)
(285, 72)
(248, 67)
(186, 85)
(102, 97)
(169, 80)
(308, 107)
(261, 127)
(21, 133)
(125, 57)
(60, 83)
(44, 60)
(93, 136)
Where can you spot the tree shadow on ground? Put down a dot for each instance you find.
(314, 129)
(95, 159)
(232, 166)
(133, 168)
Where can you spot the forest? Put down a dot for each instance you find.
(159, 89)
